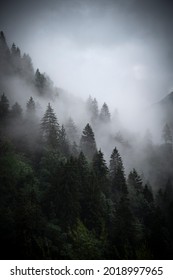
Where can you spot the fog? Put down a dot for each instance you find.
(113, 50)
(119, 52)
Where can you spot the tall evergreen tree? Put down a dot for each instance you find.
(40, 81)
(4, 107)
(71, 130)
(121, 232)
(92, 108)
(4, 55)
(105, 114)
(87, 142)
(63, 142)
(50, 127)
(117, 176)
(16, 111)
(101, 172)
(30, 106)
(167, 134)
(27, 68)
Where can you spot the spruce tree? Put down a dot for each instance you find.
(4, 107)
(71, 130)
(5, 57)
(30, 106)
(101, 171)
(117, 177)
(87, 142)
(16, 111)
(105, 114)
(50, 128)
(63, 142)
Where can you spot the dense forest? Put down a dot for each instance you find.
(59, 197)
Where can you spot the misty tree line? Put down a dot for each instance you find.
(13, 63)
(60, 200)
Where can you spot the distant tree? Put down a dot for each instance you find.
(87, 142)
(15, 51)
(135, 181)
(4, 107)
(104, 113)
(30, 106)
(16, 59)
(148, 194)
(40, 81)
(50, 127)
(63, 142)
(4, 55)
(92, 107)
(27, 68)
(3, 43)
(117, 177)
(101, 171)
(89, 103)
(167, 134)
(16, 111)
(74, 149)
(71, 131)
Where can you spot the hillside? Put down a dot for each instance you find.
(74, 182)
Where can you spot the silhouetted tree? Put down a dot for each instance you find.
(117, 177)
(87, 142)
(50, 127)
(4, 107)
(104, 113)
(30, 106)
(16, 111)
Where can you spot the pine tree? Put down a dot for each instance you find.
(40, 81)
(71, 131)
(167, 134)
(16, 59)
(121, 231)
(27, 68)
(63, 142)
(4, 55)
(16, 111)
(30, 106)
(92, 108)
(15, 51)
(101, 171)
(135, 181)
(87, 142)
(117, 176)
(50, 127)
(4, 107)
(105, 114)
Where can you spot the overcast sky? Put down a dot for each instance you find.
(118, 51)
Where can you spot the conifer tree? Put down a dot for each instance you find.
(40, 81)
(16, 111)
(63, 142)
(117, 176)
(50, 127)
(4, 55)
(101, 172)
(30, 106)
(4, 106)
(71, 131)
(87, 142)
(27, 68)
(167, 134)
(105, 114)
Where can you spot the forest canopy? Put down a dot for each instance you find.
(61, 198)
